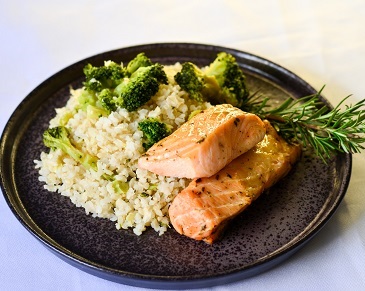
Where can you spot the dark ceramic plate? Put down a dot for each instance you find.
(273, 228)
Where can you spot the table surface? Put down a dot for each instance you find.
(321, 41)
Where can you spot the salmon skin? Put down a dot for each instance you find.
(202, 210)
(205, 144)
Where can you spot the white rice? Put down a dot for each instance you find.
(117, 143)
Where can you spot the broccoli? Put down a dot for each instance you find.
(58, 138)
(139, 88)
(141, 60)
(153, 131)
(105, 98)
(85, 99)
(111, 74)
(107, 76)
(221, 82)
(199, 86)
(112, 85)
(96, 112)
(90, 103)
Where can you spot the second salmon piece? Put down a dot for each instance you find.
(205, 144)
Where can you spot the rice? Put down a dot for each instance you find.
(117, 143)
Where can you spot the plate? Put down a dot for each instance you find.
(278, 224)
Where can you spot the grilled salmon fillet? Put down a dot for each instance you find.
(202, 210)
(205, 144)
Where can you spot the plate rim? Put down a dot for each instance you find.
(145, 280)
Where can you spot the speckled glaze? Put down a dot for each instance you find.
(281, 221)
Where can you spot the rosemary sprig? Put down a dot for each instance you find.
(310, 122)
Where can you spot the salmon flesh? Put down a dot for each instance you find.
(202, 210)
(205, 144)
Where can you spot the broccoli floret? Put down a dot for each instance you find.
(89, 102)
(96, 112)
(230, 78)
(85, 99)
(141, 60)
(107, 76)
(106, 100)
(199, 86)
(140, 87)
(153, 131)
(58, 138)
(221, 82)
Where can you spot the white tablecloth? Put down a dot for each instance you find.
(323, 41)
